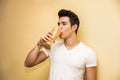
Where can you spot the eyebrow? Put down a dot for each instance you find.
(61, 22)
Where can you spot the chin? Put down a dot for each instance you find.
(61, 37)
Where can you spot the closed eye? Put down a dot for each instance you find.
(64, 23)
(58, 23)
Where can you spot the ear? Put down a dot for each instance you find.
(74, 27)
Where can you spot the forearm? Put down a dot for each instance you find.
(35, 56)
(91, 73)
(32, 56)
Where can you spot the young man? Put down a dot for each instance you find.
(70, 59)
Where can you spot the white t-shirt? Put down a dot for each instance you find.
(69, 64)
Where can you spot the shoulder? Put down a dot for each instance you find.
(86, 49)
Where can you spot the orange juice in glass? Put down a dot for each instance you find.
(55, 34)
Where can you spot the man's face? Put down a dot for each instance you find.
(65, 25)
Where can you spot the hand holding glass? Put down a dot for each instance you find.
(55, 34)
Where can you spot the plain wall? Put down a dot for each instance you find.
(22, 22)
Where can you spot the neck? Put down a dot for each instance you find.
(71, 42)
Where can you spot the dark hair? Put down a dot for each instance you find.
(72, 16)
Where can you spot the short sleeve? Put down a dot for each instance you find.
(91, 59)
(46, 51)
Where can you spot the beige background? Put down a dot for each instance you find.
(22, 22)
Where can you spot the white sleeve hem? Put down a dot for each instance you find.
(91, 65)
(45, 51)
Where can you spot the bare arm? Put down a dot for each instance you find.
(91, 73)
(34, 57)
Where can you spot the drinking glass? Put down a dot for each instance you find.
(55, 34)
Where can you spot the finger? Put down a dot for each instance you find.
(48, 37)
(44, 39)
(50, 34)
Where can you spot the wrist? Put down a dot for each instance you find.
(39, 45)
